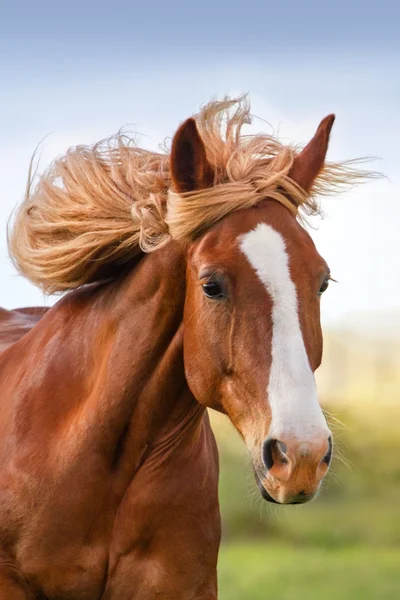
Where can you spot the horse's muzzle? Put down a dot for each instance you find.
(292, 471)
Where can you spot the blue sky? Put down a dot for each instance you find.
(79, 72)
(100, 33)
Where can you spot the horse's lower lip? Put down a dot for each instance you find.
(264, 493)
(296, 500)
(267, 496)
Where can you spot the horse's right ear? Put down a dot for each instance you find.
(190, 169)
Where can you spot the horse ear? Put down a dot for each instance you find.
(309, 162)
(190, 169)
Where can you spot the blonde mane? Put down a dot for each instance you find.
(100, 206)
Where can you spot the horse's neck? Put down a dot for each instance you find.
(111, 367)
(138, 392)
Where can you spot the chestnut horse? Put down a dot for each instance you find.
(202, 290)
(14, 324)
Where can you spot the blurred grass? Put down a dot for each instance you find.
(258, 571)
(345, 544)
(359, 502)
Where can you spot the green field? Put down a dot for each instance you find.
(258, 571)
(343, 545)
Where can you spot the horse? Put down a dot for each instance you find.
(189, 282)
(15, 323)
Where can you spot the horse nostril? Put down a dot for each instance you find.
(328, 456)
(268, 447)
(273, 448)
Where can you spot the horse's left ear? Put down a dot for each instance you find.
(309, 162)
(190, 169)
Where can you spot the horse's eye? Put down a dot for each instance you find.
(213, 290)
(324, 287)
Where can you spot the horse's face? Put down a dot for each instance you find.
(252, 340)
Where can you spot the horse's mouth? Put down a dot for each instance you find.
(300, 498)
(265, 494)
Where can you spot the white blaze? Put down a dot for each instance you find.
(291, 389)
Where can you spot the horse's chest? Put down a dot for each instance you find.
(167, 533)
(73, 574)
(155, 578)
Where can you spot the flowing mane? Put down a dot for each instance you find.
(99, 206)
